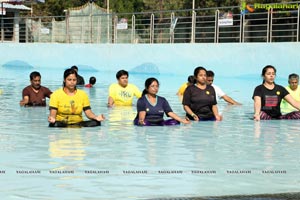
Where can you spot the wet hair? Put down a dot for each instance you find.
(264, 70)
(74, 67)
(191, 79)
(210, 73)
(294, 76)
(34, 74)
(148, 82)
(67, 73)
(197, 69)
(121, 73)
(92, 80)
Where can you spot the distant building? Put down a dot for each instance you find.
(10, 20)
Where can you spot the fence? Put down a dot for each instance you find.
(211, 25)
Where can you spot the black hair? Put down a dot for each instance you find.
(92, 80)
(210, 73)
(191, 79)
(197, 69)
(67, 73)
(121, 73)
(74, 67)
(294, 76)
(34, 74)
(148, 82)
(264, 70)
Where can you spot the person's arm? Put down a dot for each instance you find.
(176, 117)
(137, 92)
(142, 115)
(48, 92)
(228, 99)
(111, 93)
(24, 101)
(110, 102)
(257, 108)
(292, 101)
(89, 114)
(52, 115)
(190, 112)
(216, 113)
(181, 89)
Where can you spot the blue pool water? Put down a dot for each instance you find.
(120, 161)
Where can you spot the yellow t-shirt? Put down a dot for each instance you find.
(285, 107)
(69, 108)
(123, 96)
(182, 89)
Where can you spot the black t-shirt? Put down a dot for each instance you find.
(80, 80)
(270, 99)
(200, 101)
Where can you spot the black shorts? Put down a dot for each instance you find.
(90, 123)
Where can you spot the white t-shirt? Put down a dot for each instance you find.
(218, 90)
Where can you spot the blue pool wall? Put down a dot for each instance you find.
(226, 59)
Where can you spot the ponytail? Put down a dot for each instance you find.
(144, 92)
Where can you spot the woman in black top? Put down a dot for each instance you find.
(199, 100)
(267, 98)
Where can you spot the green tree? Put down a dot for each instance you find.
(54, 7)
(57, 7)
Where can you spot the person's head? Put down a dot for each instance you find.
(200, 75)
(75, 68)
(92, 80)
(210, 75)
(268, 74)
(122, 77)
(293, 81)
(191, 80)
(70, 78)
(35, 79)
(151, 86)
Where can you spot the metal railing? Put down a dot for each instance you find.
(180, 26)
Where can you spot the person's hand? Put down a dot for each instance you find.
(185, 121)
(219, 117)
(256, 117)
(110, 105)
(22, 103)
(141, 122)
(196, 118)
(238, 104)
(100, 118)
(51, 119)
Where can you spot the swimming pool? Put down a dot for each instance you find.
(120, 161)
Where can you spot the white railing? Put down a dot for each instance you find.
(180, 26)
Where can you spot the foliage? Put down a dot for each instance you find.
(57, 7)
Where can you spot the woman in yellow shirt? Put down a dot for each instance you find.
(67, 103)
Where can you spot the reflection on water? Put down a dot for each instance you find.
(121, 116)
(68, 145)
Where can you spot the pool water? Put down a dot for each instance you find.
(236, 156)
